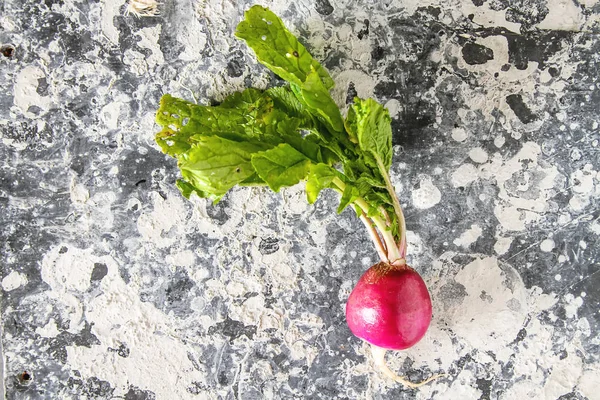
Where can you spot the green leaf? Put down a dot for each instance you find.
(319, 102)
(183, 122)
(319, 178)
(277, 48)
(350, 125)
(371, 124)
(350, 194)
(253, 180)
(187, 189)
(242, 100)
(280, 51)
(214, 165)
(285, 100)
(281, 166)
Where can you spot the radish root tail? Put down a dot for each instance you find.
(379, 359)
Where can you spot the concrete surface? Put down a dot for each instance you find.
(114, 286)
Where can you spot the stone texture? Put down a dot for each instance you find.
(114, 285)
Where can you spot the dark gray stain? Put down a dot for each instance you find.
(268, 245)
(178, 292)
(452, 294)
(351, 93)
(92, 387)
(485, 385)
(572, 396)
(236, 65)
(135, 393)
(323, 7)
(42, 87)
(122, 350)
(536, 46)
(475, 54)
(378, 53)
(463, 259)
(100, 270)
(364, 32)
(218, 212)
(516, 103)
(527, 13)
(233, 329)
(197, 388)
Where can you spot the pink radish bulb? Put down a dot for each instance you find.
(390, 307)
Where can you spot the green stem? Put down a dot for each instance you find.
(394, 254)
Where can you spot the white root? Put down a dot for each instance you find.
(379, 360)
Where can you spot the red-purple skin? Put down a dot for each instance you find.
(389, 307)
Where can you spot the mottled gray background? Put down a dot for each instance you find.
(113, 286)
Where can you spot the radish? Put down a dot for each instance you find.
(287, 134)
(390, 308)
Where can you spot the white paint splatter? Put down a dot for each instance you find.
(564, 15)
(79, 193)
(564, 376)
(572, 304)
(478, 155)
(25, 91)
(394, 107)
(363, 84)
(468, 237)
(155, 225)
(427, 195)
(158, 361)
(14, 280)
(499, 141)
(524, 190)
(584, 187)
(49, 330)
(464, 175)
(547, 245)
(185, 258)
(68, 272)
(110, 9)
(459, 134)
(502, 245)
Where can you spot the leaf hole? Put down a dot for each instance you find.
(185, 121)
(176, 116)
(263, 37)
